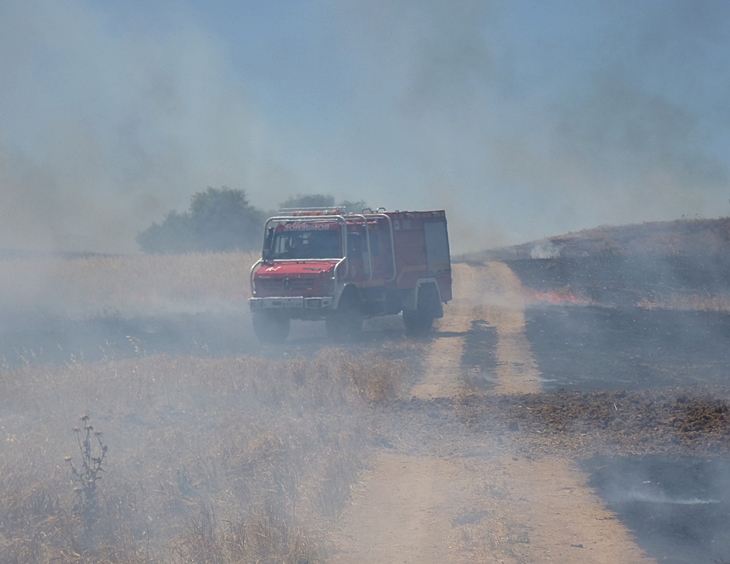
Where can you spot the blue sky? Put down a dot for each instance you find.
(522, 118)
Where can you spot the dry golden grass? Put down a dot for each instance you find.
(128, 283)
(378, 379)
(209, 460)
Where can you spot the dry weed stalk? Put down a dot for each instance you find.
(89, 472)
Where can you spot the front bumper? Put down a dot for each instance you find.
(291, 302)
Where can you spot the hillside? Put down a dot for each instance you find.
(683, 264)
(682, 237)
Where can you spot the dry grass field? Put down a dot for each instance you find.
(207, 461)
(129, 284)
(201, 460)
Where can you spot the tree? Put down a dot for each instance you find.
(219, 219)
(174, 235)
(223, 220)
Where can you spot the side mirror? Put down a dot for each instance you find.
(267, 244)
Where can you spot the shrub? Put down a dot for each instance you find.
(220, 219)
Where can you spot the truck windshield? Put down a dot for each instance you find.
(306, 245)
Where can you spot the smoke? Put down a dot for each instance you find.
(525, 121)
(109, 128)
(663, 498)
(545, 250)
(521, 120)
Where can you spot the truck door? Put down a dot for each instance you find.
(381, 247)
(438, 256)
(357, 269)
(437, 246)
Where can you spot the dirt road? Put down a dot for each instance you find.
(499, 507)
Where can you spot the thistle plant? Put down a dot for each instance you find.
(89, 472)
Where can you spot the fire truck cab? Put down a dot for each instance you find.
(344, 267)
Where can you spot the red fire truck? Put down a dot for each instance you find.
(344, 267)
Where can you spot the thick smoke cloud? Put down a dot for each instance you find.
(106, 130)
(522, 120)
(534, 121)
(641, 137)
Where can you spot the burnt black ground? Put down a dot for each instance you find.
(678, 507)
(628, 382)
(609, 348)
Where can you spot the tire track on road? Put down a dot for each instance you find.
(500, 508)
(493, 294)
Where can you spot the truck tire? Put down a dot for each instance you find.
(271, 327)
(345, 323)
(418, 322)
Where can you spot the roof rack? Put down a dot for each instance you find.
(304, 212)
(337, 210)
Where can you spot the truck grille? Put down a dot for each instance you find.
(285, 286)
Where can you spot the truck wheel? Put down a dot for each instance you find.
(271, 327)
(418, 322)
(346, 321)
